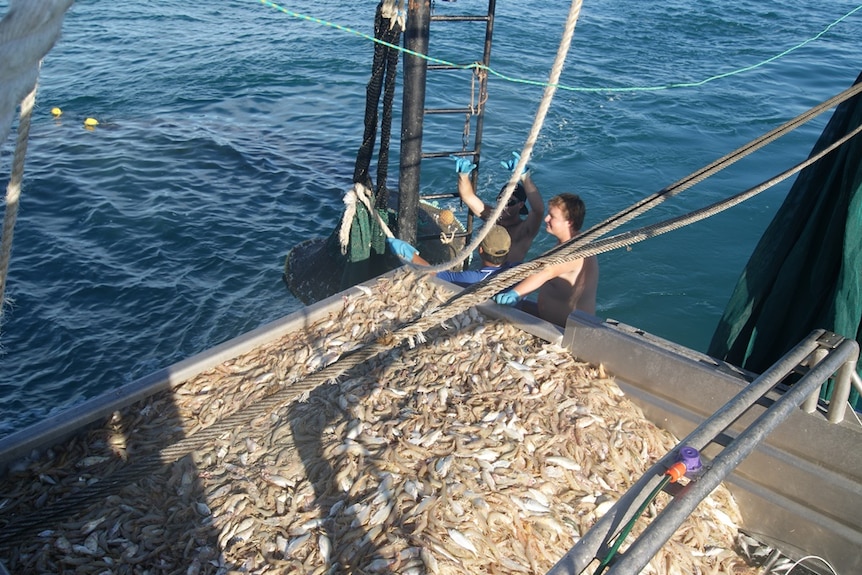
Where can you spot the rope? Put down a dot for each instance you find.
(581, 246)
(27, 32)
(383, 68)
(13, 193)
(635, 236)
(698, 176)
(388, 24)
(587, 244)
(386, 121)
(363, 195)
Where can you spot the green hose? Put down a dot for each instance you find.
(630, 525)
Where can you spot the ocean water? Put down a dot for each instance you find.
(228, 133)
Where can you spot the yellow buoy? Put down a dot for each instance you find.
(56, 112)
(91, 122)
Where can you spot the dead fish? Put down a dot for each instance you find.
(461, 540)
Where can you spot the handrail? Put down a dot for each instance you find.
(840, 358)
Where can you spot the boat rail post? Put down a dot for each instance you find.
(810, 403)
(841, 391)
(856, 381)
(416, 35)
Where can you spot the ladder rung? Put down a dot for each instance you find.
(445, 196)
(444, 67)
(462, 18)
(447, 154)
(449, 111)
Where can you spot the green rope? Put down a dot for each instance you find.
(628, 526)
(489, 70)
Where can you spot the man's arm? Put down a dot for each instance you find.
(535, 281)
(528, 285)
(536, 214)
(405, 251)
(534, 219)
(469, 197)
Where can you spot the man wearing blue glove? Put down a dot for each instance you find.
(566, 286)
(524, 201)
(493, 251)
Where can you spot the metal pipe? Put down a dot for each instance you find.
(856, 381)
(412, 116)
(663, 527)
(483, 98)
(748, 396)
(841, 391)
(811, 402)
(595, 541)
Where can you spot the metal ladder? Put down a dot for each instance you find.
(413, 154)
(833, 355)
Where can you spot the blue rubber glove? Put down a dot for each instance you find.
(401, 248)
(511, 164)
(508, 297)
(463, 165)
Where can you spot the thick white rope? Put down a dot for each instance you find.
(13, 192)
(27, 32)
(361, 194)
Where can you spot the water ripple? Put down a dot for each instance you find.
(228, 134)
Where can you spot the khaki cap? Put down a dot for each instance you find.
(497, 242)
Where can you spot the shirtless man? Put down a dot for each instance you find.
(567, 286)
(521, 230)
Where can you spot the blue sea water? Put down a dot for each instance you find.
(228, 134)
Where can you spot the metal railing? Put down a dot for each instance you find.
(826, 354)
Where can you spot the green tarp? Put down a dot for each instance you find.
(806, 271)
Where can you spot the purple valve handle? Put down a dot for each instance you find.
(690, 457)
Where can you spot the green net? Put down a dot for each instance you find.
(805, 272)
(366, 252)
(316, 269)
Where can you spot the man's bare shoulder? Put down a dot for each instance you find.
(519, 230)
